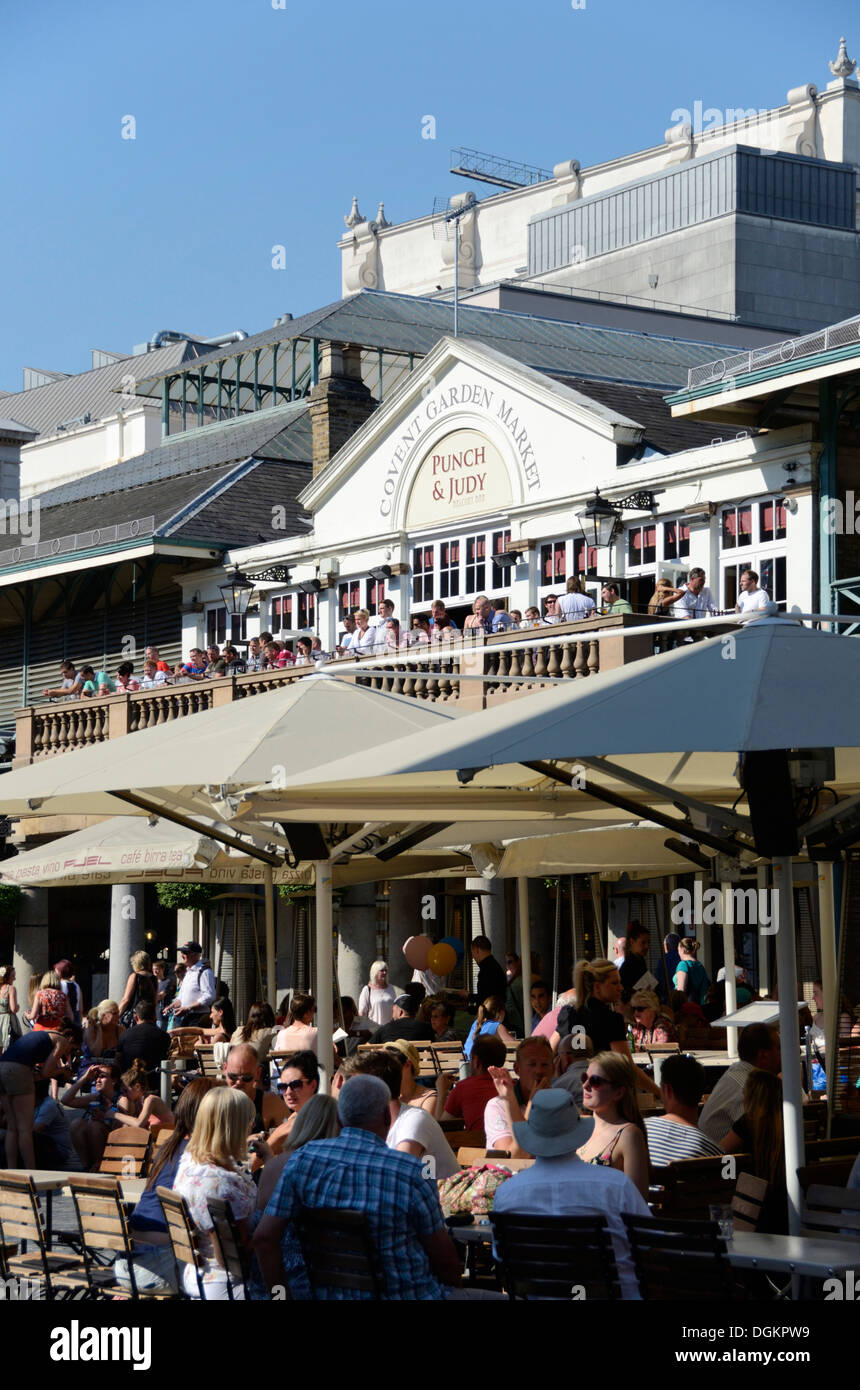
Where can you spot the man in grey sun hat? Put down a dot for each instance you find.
(560, 1184)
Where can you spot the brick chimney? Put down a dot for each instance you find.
(339, 403)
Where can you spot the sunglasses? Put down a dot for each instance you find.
(291, 1085)
(590, 1083)
(242, 1076)
(640, 1008)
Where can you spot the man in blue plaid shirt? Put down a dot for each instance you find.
(358, 1172)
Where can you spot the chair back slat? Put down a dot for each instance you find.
(549, 1256)
(181, 1231)
(831, 1209)
(126, 1152)
(680, 1259)
(693, 1185)
(749, 1195)
(339, 1251)
(448, 1057)
(233, 1254)
(465, 1139)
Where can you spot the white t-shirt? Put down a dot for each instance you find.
(691, 605)
(420, 1128)
(574, 607)
(377, 1004)
(755, 601)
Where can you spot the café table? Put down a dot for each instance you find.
(817, 1257)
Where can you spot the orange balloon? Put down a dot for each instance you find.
(441, 958)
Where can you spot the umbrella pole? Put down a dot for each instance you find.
(829, 981)
(792, 1095)
(728, 906)
(325, 983)
(269, 899)
(525, 951)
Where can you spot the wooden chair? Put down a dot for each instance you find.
(103, 1225)
(831, 1172)
(662, 1049)
(183, 1237)
(465, 1139)
(693, 1185)
(821, 1150)
(749, 1195)
(21, 1220)
(510, 1055)
(339, 1252)
(467, 1156)
(449, 1056)
(428, 1065)
(833, 1211)
(234, 1255)
(205, 1055)
(680, 1260)
(126, 1152)
(549, 1256)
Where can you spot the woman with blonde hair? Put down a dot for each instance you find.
(598, 989)
(102, 1033)
(619, 1139)
(376, 1000)
(213, 1167)
(141, 985)
(489, 1021)
(50, 1006)
(663, 597)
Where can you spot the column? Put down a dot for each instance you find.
(404, 920)
(492, 905)
(31, 955)
(127, 929)
(356, 950)
(542, 926)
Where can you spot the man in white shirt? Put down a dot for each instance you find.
(413, 1130)
(197, 990)
(573, 606)
(752, 599)
(346, 634)
(695, 600)
(384, 612)
(560, 1184)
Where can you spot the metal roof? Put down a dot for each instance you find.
(282, 434)
(93, 392)
(407, 324)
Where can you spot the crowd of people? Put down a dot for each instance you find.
(264, 1137)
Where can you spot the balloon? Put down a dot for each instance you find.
(416, 951)
(442, 958)
(456, 946)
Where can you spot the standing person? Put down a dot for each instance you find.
(481, 617)
(613, 603)
(212, 1167)
(695, 600)
(598, 990)
(344, 637)
(619, 1141)
(492, 979)
(752, 599)
(384, 614)
(560, 1184)
(376, 1000)
(573, 605)
(164, 988)
(72, 990)
(141, 984)
(143, 1041)
(50, 1006)
(46, 1050)
(691, 978)
(10, 1023)
(299, 1034)
(541, 1001)
(671, 961)
(357, 1172)
(197, 990)
(635, 962)
(365, 637)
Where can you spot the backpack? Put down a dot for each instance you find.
(472, 1189)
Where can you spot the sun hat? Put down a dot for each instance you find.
(406, 1050)
(554, 1126)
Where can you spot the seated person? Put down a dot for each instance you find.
(143, 1040)
(441, 1017)
(243, 1072)
(651, 1022)
(532, 1073)
(89, 1133)
(404, 1023)
(125, 679)
(152, 676)
(412, 1130)
(489, 1022)
(573, 1052)
(467, 1100)
(139, 1106)
(676, 1135)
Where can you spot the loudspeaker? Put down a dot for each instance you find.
(306, 840)
(770, 796)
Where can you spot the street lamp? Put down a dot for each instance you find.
(236, 593)
(599, 521)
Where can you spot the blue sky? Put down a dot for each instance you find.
(255, 125)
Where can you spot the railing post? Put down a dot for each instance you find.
(473, 694)
(118, 715)
(24, 731)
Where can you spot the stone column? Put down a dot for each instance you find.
(127, 930)
(493, 907)
(543, 927)
(31, 955)
(404, 920)
(356, 950)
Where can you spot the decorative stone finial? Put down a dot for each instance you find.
(844, 66)
(381, 220)
(354, 215)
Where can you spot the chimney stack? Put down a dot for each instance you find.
(339, 403)
(12, 436)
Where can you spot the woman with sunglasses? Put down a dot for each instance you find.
(300, 1080)
(651, 1022)
(619, 1139)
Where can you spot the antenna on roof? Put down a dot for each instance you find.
(494, 168)
(447, 213)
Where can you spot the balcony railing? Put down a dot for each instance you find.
(474, 673)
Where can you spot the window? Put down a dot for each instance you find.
(375, 594)
(422, 574)
(500, 541)
(676, 540)
(449, 569)
(737, 527)
(772, 577)
(584, 558)
(772, 520)
(348, 596)
(553, 563)
(306, 610)
(642, 545)
(476, 564)
(216, 627)
(281, 614)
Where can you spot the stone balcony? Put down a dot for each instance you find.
(61, 726)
